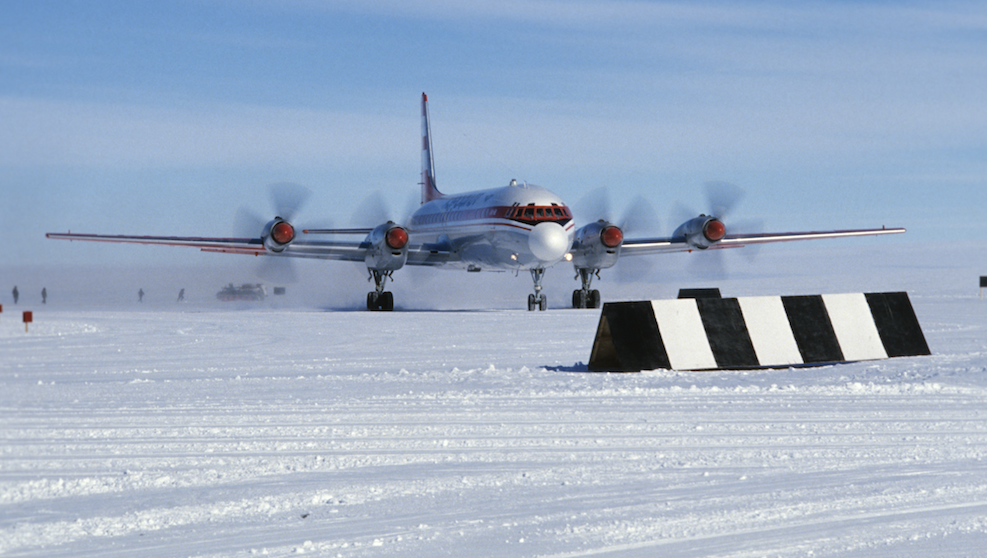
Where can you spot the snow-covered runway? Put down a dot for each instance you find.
(474, 434)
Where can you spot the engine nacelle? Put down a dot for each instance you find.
(597, 245)
(388, 247)
(701, 232)
(278, 234)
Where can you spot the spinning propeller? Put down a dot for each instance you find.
(639, 219)
(721, 199)
(287, 199)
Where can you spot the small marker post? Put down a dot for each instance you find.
(28, 318)
(983, 283)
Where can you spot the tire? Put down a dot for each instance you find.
(579, 298)
(594, 299)
(531, 303)
(372, 301)
(387, 301)
(543, 303)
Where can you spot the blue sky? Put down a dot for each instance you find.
(164, 118)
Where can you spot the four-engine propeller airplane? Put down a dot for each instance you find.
(515, 227)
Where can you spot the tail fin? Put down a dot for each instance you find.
(429, 191)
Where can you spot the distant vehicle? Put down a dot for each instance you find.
(252, 292)
(520, 227)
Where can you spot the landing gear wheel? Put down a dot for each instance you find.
(578, 298)
(383, 301)
(531, 303)
(593, 300)
(543, 303)
(386, 301)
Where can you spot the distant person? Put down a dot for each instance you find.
(181, 295)
(44, 295)
(140, 295)
(16, 294)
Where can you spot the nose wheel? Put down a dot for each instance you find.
(540, 302)
(538, 299)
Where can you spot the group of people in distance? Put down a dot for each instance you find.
(44, 295)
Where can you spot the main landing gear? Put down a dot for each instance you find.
(586, 297)
(380, 299)
(538, 299)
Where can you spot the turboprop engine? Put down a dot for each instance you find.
(701, 232)
(388, 247)
(597, 245)
(278, 234)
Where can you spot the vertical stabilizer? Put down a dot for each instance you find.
(429, 191)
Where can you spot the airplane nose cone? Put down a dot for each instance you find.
(548, 241)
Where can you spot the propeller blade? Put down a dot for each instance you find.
(682, 213)
(708, 264)
(276, 269)
(640, 218)
(372, 211)
(288, 198)
(722, 197)
(748, 226)
(594, 205)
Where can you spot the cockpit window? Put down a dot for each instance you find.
(533, 215)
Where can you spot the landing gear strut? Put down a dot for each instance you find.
(537, 300)
(380, 299)
(585, 297)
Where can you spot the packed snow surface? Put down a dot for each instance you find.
(478, 433)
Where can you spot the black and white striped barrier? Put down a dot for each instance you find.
(755, 332)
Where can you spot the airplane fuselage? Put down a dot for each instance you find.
(516, 227)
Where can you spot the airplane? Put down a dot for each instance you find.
(518, 227)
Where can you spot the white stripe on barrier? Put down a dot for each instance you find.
(683, 334)
(770, 332)
(854, 326)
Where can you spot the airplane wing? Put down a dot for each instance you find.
(345, 250)
(254, 246)
(643, 246)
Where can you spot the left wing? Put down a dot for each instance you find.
(345, 250)
(683, 242)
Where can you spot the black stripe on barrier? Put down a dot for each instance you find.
(897, 324)
(812, 329)
(713, 292)
(727, 332)
(633, 343)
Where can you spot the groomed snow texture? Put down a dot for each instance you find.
(479, 433)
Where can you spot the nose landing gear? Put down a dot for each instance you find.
(538, 299)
